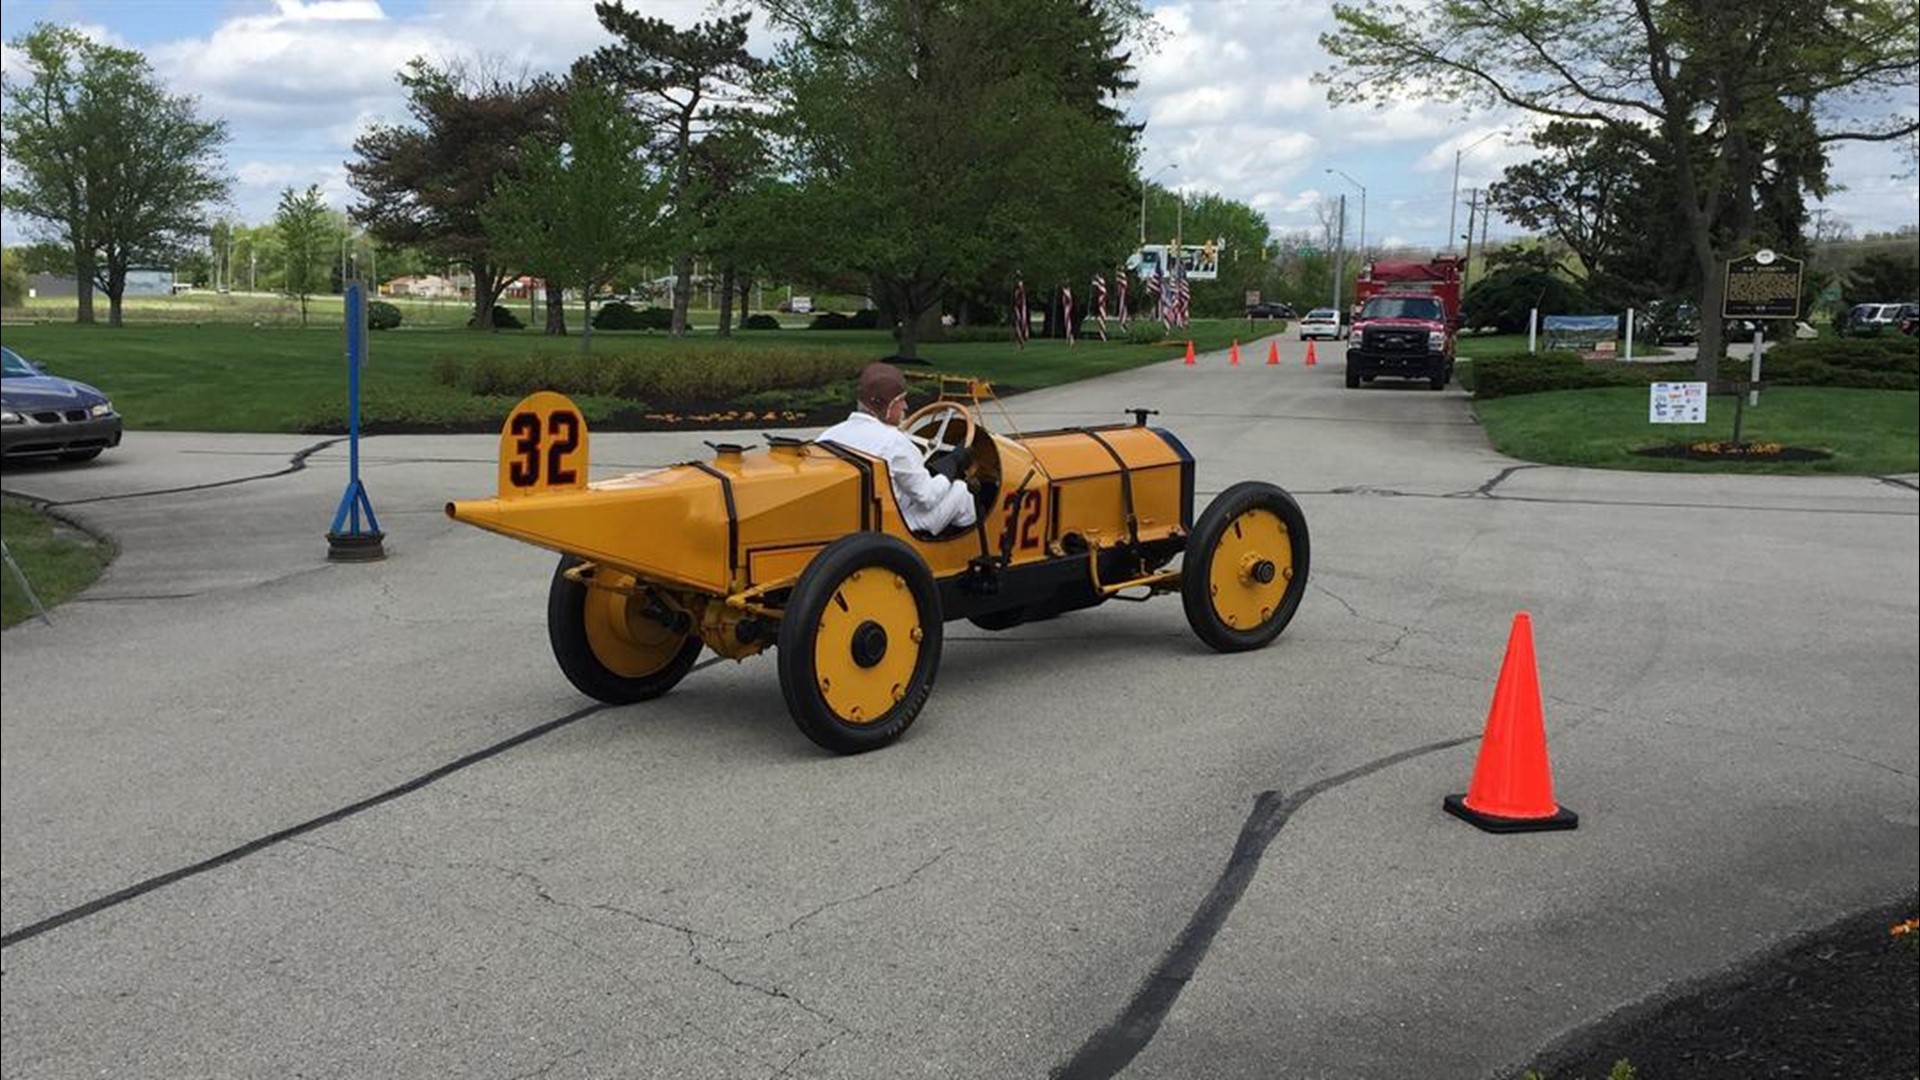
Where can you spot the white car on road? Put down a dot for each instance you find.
(1322, 322)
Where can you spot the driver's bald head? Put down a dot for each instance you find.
(880, 383)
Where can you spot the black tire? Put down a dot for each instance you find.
(575, 619)
(820, 622)
(1265, 605)
(81, 455)
(1353, 377)
(1437, 380)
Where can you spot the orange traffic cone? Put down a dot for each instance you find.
(1233, 356)
(1189, 354)
(1273, 353)
(1512, 787)
(1311, 359)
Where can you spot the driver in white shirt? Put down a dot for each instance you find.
(930, 503)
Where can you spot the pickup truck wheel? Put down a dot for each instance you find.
(1353, 378)
(860, 643)
(607, 647)
(1245, 567)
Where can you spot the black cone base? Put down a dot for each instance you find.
(355, 547)
(1563, 818)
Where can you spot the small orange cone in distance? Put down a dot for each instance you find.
(1233, 357)
(1189, 354)
(1310, 357)
(1273, 352)
(1512, 786)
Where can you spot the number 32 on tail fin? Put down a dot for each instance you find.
(543, 447)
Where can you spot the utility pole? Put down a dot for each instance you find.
(1339, 262)
(1466, 268)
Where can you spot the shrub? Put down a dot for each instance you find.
(503, 319)
(760, 322)
(693, 375)
(382, 315)
(830, 320)
(621, 315)
(864, 319)
(1146, 332)
(1524, 373)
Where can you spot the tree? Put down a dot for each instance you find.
(1504, 298)
(309, 236)
(13, 278)
(424, 185)
(893, 106)
(102, 157)
(1884, 277)
(582, 208)
(1746, 97)
(674, 78)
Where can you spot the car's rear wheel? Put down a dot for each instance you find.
(607, 645)
(1245, 567)
(860, 643)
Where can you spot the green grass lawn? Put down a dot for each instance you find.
(227, 377)
(1867, 431)
(58, 560)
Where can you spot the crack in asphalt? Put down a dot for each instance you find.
(549, 1066)
(1113, 1047)
(875, 891)
(297, 463)
(159, 881)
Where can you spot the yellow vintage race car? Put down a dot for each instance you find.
(800, 546)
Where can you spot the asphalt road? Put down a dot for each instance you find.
(270, 816)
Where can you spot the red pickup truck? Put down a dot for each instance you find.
(1406, 319)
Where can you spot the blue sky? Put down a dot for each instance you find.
(1225, 93)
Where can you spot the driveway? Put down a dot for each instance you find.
(268, 815)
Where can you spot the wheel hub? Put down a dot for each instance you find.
(869, 644)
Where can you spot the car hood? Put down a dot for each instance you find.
(47, 392)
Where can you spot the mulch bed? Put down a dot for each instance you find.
(1841, 1003)
(1726, 451)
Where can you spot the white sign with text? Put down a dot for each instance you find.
(1677, 403)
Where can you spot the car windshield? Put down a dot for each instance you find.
(11, 364)
(1401, 307)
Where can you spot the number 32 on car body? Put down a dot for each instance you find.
(543, 447)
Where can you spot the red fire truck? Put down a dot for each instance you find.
(1406, 315)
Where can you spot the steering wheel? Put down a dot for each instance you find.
(930, 425)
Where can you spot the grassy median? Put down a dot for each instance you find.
(58, 560)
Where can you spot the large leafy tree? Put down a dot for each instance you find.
(1734, 91)
(582, 208)
(308, 234)
(423, 184)
(946, 145)
(101, 156)
(678, 82)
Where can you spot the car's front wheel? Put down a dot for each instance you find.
(1245, 567)
(81, 455)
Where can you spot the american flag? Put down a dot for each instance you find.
(1021, 321)
(1157, 288)
(1120, 275)
(1100, 304)
(1066, 311)
(1181, 295)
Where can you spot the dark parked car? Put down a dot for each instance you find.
(1270, 309)
(44, 415)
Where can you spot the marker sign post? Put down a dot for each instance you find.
(355, 536)
(1763, 285)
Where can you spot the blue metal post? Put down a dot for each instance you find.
(355, 544)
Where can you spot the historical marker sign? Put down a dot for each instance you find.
(1763, 285)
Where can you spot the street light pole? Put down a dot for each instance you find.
(1363, 211)
(1453, 204)
(1143, 198)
